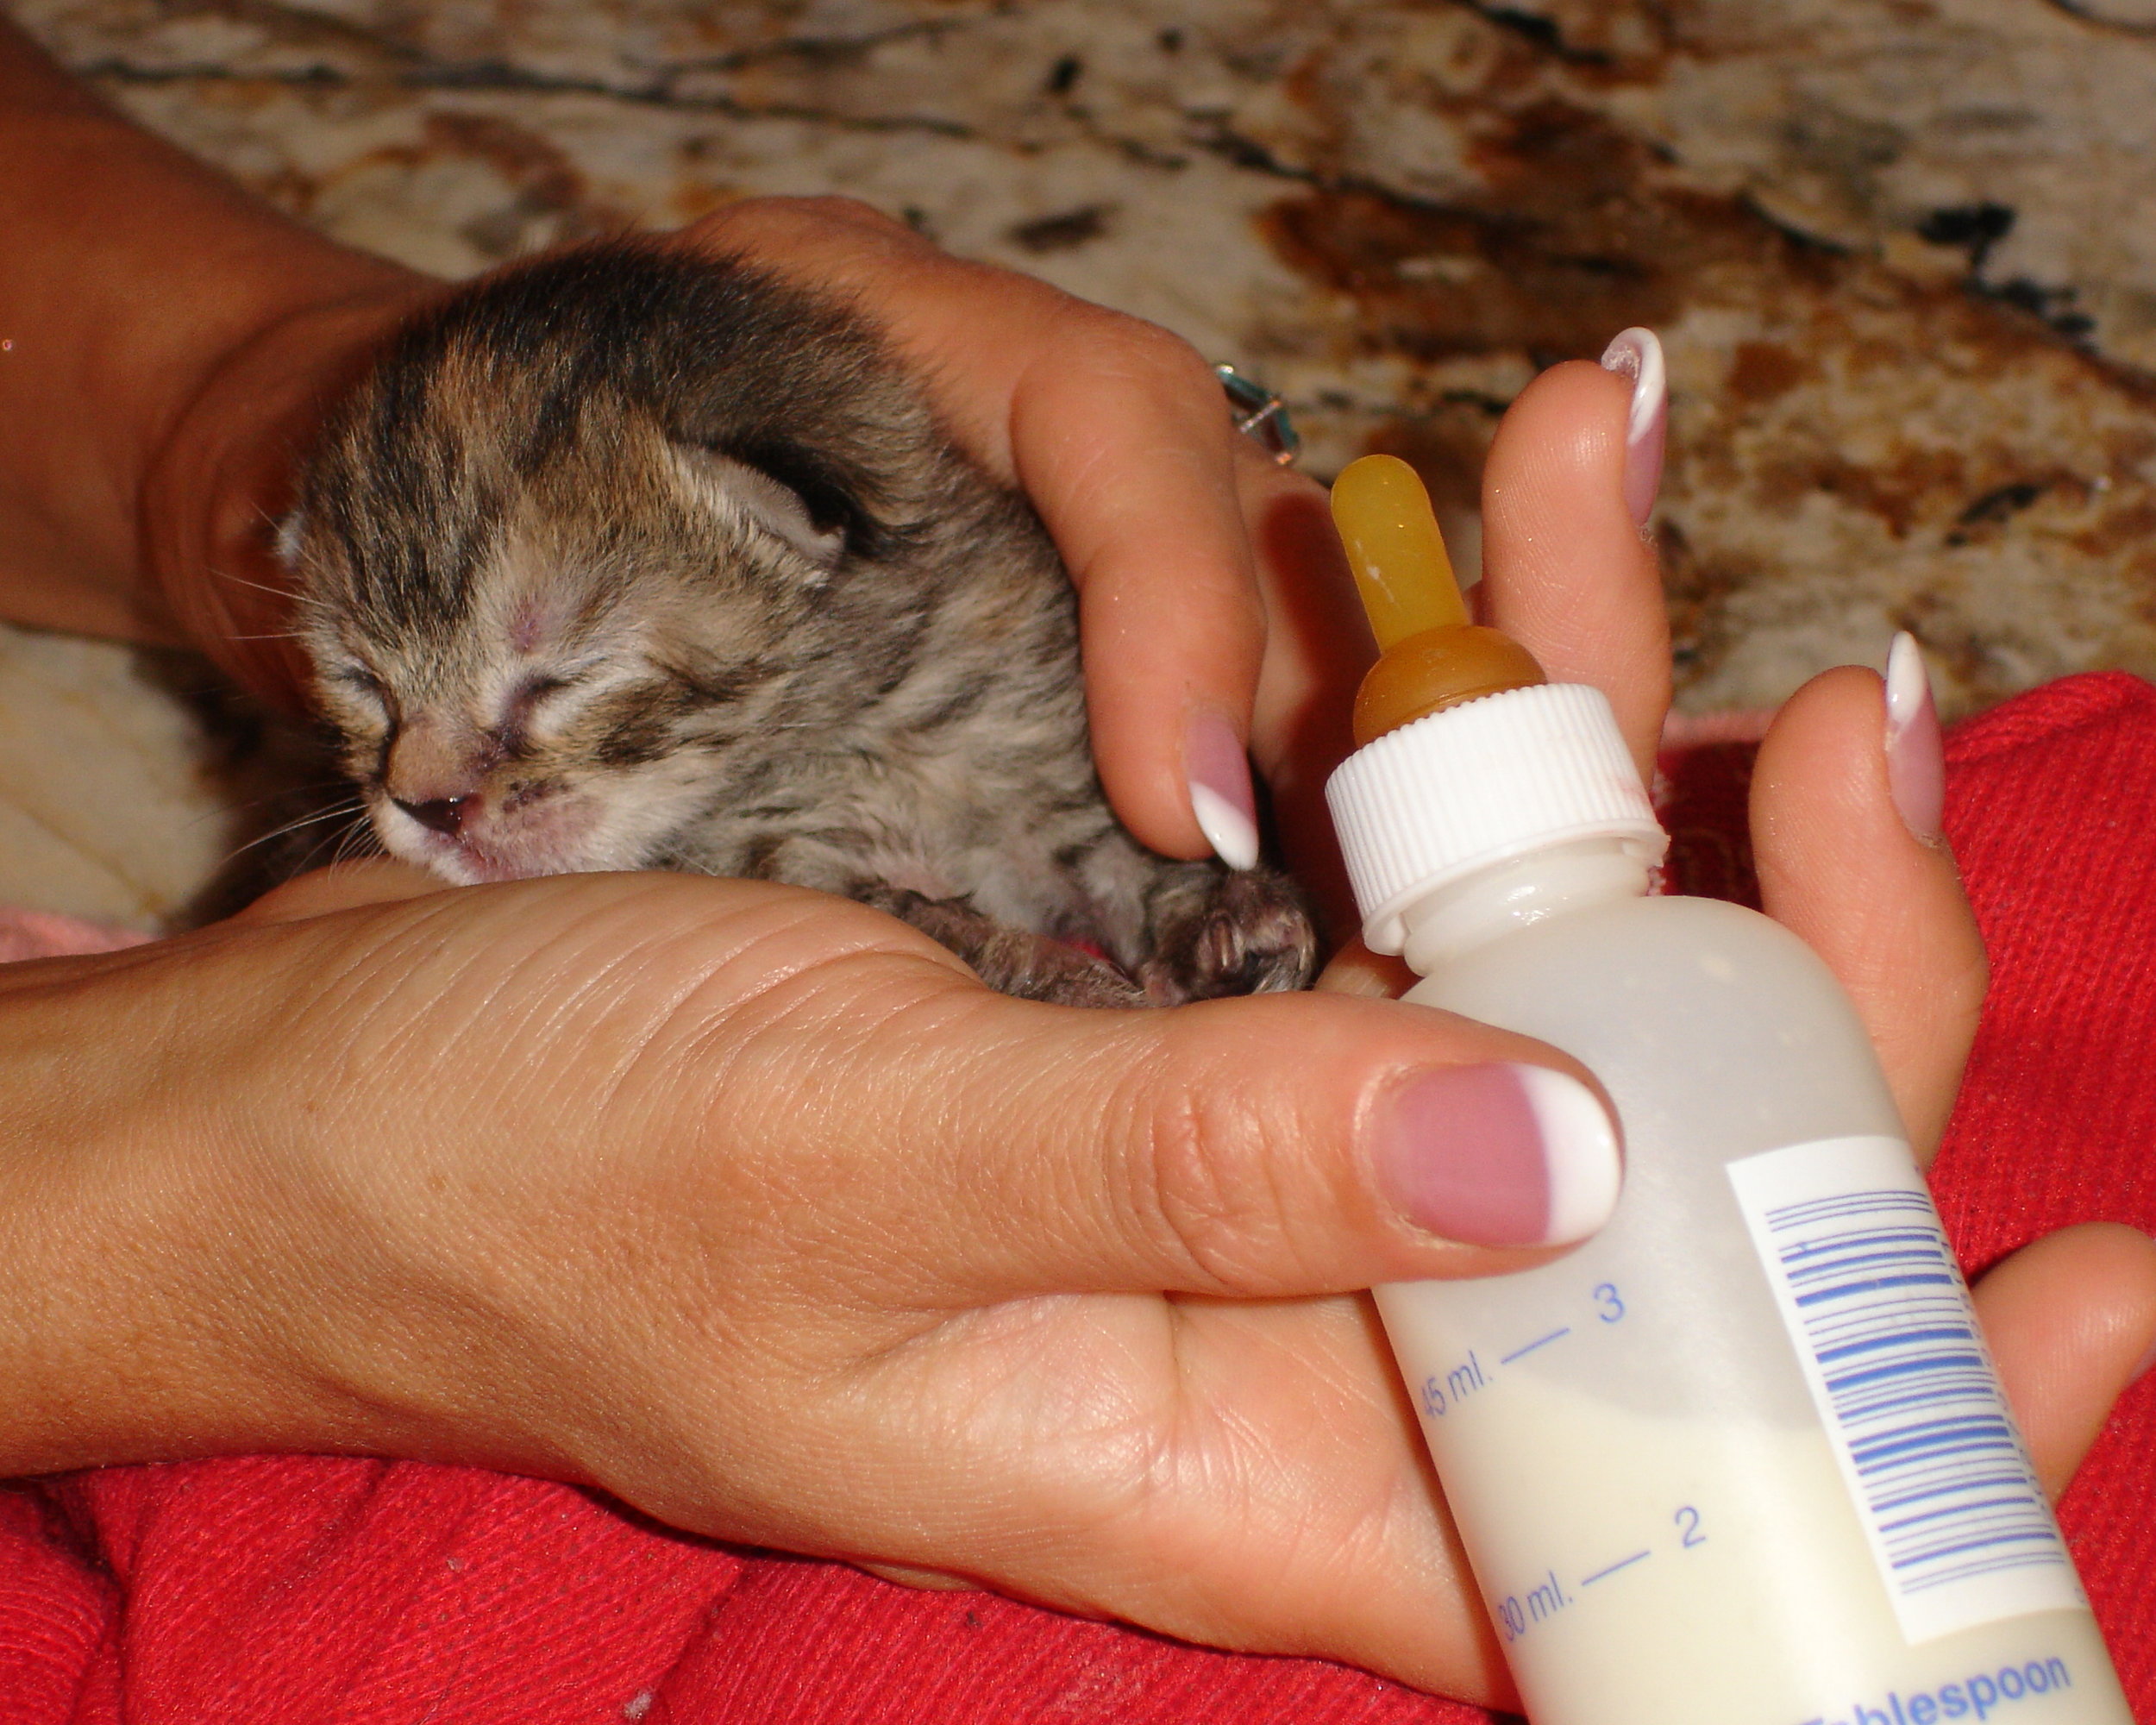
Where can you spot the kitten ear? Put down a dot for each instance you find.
(739, 490)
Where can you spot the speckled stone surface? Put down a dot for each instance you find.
(1900, 252)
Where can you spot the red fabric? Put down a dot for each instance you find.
(303, 1590)
(2053, 817)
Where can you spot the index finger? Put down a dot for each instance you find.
(1568, 571)
(1121, 438)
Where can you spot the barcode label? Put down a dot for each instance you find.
(1875, 1305)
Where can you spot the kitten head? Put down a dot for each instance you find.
(571, 545)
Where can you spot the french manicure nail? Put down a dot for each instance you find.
(1636, 354)
(1500, 1155)
(1221, 794)
(1916, 766)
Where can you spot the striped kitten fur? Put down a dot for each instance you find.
(629, 560)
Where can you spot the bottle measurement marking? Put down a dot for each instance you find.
(1545, 1600)
(1516, 1614)
(1608, 1570)
(1539, 1342)
(1439, 1395)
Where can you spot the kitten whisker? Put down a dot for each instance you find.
(259, 586)
(226, 810)
(351, 846)
(341, 811)
(337, 840)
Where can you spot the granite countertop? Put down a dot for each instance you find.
(1891, 249)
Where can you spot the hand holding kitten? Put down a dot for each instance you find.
(709, 1243)
(1186, 547)
(630, 557)
(751, 1205)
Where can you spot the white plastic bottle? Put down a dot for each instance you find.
(1741, 1458)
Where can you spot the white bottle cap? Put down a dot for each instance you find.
(1438, 800)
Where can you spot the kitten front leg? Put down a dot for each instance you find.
(1012, 961)
(1218, 930)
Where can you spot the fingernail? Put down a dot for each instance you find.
(1500, 1155)
(1636, 354)
(1221, 794)
(1916, 765)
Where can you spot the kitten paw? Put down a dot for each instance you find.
(1252, 934)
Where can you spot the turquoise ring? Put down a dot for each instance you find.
(1260, 415)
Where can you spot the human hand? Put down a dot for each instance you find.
(754, 1207)
(2070, 1316)
(208, 421)
(446, 1179)
(1012, 1401)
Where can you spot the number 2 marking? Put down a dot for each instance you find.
(1687, 1520)
(1612, 1306)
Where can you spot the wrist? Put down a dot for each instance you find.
(200, 1226)
(125, 1331)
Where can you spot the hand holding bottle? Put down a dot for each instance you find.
(755, 1211)
(1837, 782)
(1741, 1456)
(761, 1215)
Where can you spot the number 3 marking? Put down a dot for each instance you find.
(1613, 1307)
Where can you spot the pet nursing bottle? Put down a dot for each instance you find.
(1741, 1458)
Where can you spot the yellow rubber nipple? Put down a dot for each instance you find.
(1430, 658)
(1392, 544)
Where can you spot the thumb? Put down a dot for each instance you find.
(1840, 866)
(1274, 1146)
(2072, 1321)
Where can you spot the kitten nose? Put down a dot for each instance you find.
(442, 814)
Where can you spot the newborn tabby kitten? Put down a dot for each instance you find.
(630, 559)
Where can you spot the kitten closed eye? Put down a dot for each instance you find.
(534, 695)
(358, 681)
(359, 696)
(630, 558)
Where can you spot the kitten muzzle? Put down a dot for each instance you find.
(468, 839)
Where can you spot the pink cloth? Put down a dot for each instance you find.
(46, 934)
